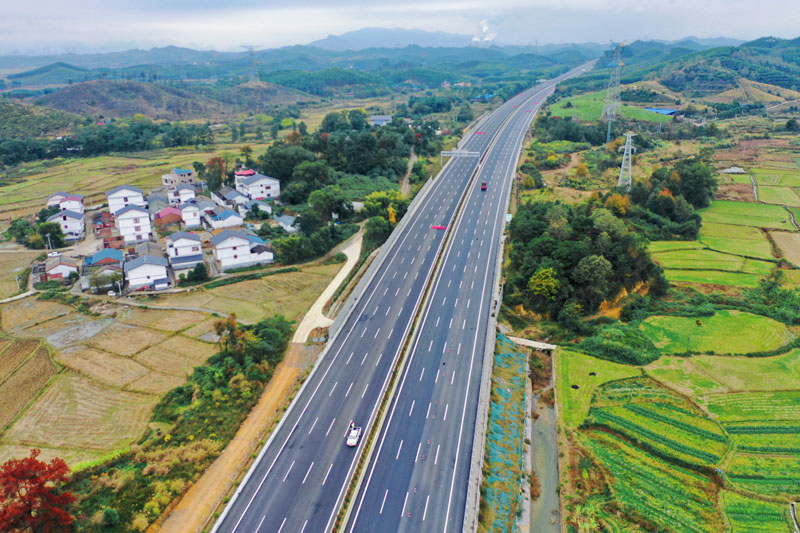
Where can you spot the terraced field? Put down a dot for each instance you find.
(778, 195)
(727, 332)
(748, 515)
(747, 214)
(739, 240)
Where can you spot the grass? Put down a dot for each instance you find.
(727, 332)
(705, 374)
(12, 264)
(573, 368)
(711, 260)
(671, 246)
(739, 240)
(732, 279)
(747, 214)
(772, 475)
(772, 176)
(589, 107)
(778, 195)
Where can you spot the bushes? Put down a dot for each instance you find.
(621, 343)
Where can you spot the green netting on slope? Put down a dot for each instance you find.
(504, 436)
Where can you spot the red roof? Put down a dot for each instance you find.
(247, 172)
(168, 211)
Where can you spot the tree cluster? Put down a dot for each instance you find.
(37, 234)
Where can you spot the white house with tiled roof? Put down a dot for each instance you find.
(72, 224)
(256, 186)
(123, 196)
(133, 223)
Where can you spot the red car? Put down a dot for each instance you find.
(483, 186)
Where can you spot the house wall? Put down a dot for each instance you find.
(184, 247)
(135, 227)
(72, 205)
(145, 275)
(191, 217)
(120, 199)
(60, 272)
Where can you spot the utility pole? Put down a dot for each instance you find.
(49, 243)
(612, 106)
(625, 170)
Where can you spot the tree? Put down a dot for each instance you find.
(376, 231)
(792, 125)
(581, 171)
(231, 337)
(303, 129)
(544, 284)
(216, 173)
(275, 129)
(31, 495)
(358, 120)
(325, 202)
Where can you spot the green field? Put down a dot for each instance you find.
(727, 332)
(733, 279)
(711, 260)
(573, 368)
(747, 214)
(739, 240)
(588, 107)
(748, 515)
(704, 374)
(778, 195)
(671, 246)
(672, 498)
(772, 176)
(773, 475)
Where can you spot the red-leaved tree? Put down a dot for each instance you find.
(31, 498)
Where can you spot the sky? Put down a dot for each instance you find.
(53, 26)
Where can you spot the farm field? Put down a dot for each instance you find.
(96, 393)
(590, 106)
(748, 515)
(747, 214)
(13, 263)
(778, 195)
(574, 368)
(740, 240)
(727, 332)
(732, 279)
(289, 294)
(789, 245)
(711, 260)
(776, 176)
(93, 176)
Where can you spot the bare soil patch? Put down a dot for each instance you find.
(155, 383)
(69, 329)
(24, 384)
(126, 340)
(76, 412)
(740, 192)
(107, 368)
(21, 314)
(201, 329)
(177, 356)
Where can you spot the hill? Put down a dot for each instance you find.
(160, 101)
(19, 120)
(390, 38)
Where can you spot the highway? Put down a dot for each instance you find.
(299, 479)
(417, 479)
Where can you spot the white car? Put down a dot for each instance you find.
(353, 435)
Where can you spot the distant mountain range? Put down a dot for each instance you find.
(390, 38)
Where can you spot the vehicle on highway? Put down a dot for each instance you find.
(353, 435)
(483, 186)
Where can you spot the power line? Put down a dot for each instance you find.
(253, 70)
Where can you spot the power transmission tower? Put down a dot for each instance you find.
(612, 106)
(253, 70)
(625, 170)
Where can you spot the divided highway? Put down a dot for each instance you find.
(417, 479)
(299, 479)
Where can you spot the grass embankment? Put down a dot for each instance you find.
(588, 107)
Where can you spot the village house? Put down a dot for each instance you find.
(73, 202)
(287, 223)
(180, 194)
(237, 249)
(227, 197)
(256, 186)
(55, 198)
(221, 218)
(184, 250)
(133, 223)
(103, 265)
(380, 120)
(167, 216)
(123, 196)
(248, 206)
(147, 273)
(157, 201)
(190, 214)
(72, 224)
(58, 267)
(178, 176)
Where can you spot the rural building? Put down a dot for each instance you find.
(190, 214)
(59, 267)
(167, 216)
(147, 272)
(72, 224)
(256, 186)
(102, 265)
(180, 194)
(55, 198)
(184, 250)
(237, 249)
(102, 223)
(178, 176)
(380, 120)
(734, 170)
(108, 256)
(156, 202)
(264, 207)
(227, 197)
(662, 111)
(133, 223)
(123, 196)
(73, 202)
(287, 223)
(221, 218)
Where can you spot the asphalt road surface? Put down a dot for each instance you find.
(300, 477)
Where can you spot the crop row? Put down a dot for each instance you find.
(767, 449)
(676, 423)
(763, 430)
(603, 416)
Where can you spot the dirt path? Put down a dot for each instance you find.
(314, 317)
(191, 512)
(405, 183)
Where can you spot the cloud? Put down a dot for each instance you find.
(52, 24)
